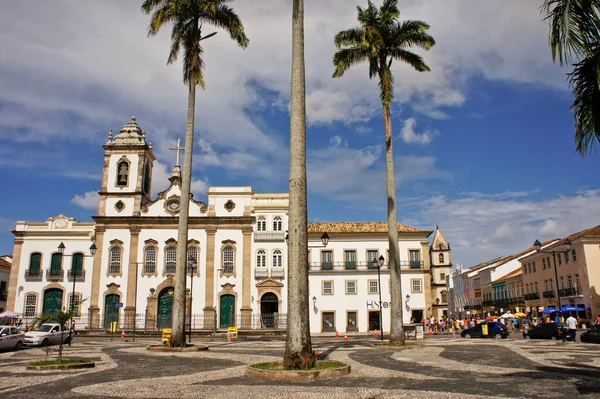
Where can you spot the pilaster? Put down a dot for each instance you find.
(132, 275)
(15, 269)
(209, 289)
(94, 309)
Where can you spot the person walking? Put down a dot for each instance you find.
(572, 326)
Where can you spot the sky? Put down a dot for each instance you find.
(484, 143)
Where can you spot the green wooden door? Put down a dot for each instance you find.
(227, 311)
(111, 312)
(165, 309)
(52, 301)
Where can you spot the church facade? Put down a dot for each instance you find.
(122, 264)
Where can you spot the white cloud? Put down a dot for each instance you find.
(480, 228)
(409, 135)
(89, 200)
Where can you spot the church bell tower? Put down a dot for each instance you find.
(127, 172)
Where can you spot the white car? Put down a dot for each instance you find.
(46, 334)
(11, 337)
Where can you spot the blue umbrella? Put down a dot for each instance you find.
(572, 309)
(550, 310)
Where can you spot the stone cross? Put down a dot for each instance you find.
(179, 148)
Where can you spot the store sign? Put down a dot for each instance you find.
(375, 305)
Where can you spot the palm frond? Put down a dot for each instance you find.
(225, 18)
(574, 25)
(412, 33)
(350, 38)
(410, 58)
(585, 81)
(346, 58)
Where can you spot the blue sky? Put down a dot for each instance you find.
(483, 143)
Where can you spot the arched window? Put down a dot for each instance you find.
(441, 258)
(170, 259)
(150, 260)
(192, 259)
(115, 260)
(122, 173)
(228, 260)
(35, 264)
(261, 258)
(277, 258)
(75, 303)
(30, 305)
(277, 223)
(261, 224)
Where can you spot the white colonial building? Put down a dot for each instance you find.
(237, 256)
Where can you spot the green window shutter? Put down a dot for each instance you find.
(35, 263)
(77, 264)
(56, 263)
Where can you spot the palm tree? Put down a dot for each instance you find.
(61, 318)
(575, 34)
(187, 18)
(298, 346)
(380, 40)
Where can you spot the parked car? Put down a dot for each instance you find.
(552, 331)
(592, 335)
(11, 337)
(487, 329)
(46, 334)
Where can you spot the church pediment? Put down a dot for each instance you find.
(169, 201)
(269, 283)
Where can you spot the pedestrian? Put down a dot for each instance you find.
(572, 326)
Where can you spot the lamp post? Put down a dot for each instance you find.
(378, 263)
(61, 250)
(192, 267)
(137, 264)
(567, 247)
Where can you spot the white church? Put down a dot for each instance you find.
(123, 263)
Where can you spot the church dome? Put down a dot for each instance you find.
(130, 134)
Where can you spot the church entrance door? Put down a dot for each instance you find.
(111, 312)
(165, 308)
(227, 311)
(52, 301)
(269, 308)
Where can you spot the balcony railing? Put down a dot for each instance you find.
(269, 236)
(360, 266)
(548, 294)
(573, 291)
(277, 272)
(79, 275)
(531, 297)
(33, 275)
(260, 272)
(54, 274)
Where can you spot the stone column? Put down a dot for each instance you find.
(15, 269)
(132, 277)
(428, 293)
(246, 310)
(94, 309)
(209, 289)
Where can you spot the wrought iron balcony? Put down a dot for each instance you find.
(55, 274)
(570, 291)
(33, 275)
(531, 297)
(79, 275)
(548, 294)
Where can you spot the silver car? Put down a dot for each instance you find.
(11, 337)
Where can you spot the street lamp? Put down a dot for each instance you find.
(567, 247)
(378, 263)
(61, 250)
(192, 268)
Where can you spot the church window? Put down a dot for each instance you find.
(277, 258)
(261, 258)
(115, 260)
(122, 173)
(30, 305)
(228, 260)
(146, 178)
(261, 224)
(441, 258)
(150, 260)
(277, 223)
(119, 206)
(170, 259)
(192, 259)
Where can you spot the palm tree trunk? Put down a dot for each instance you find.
(397, 324)
(298, 344)
(182, 230)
